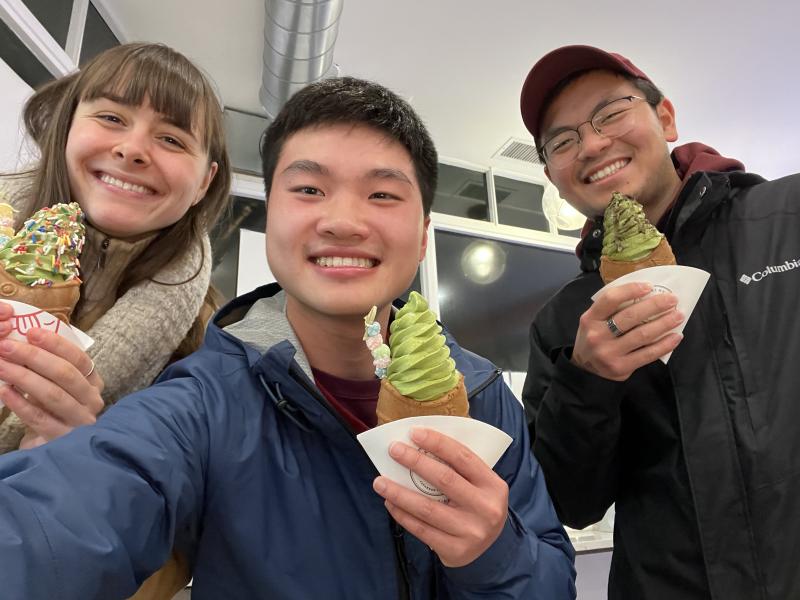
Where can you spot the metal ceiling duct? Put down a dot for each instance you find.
(299, 37)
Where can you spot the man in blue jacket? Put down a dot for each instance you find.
(244, 455)
(700, 455)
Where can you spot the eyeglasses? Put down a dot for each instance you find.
(612, 120)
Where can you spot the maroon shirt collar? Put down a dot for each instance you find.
(354, 400)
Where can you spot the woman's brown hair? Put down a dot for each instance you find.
(175, 88)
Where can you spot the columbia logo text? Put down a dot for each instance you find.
(788, 265)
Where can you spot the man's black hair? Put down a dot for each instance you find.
(347, 100)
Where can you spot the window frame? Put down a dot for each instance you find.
(57, 60)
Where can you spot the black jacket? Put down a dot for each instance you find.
(702, 456)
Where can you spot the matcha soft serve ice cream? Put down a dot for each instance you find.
(418, 377)
(421, 366)
(630, 241)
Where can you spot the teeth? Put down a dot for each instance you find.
(609, 170)
(344, 261)
(124, 185)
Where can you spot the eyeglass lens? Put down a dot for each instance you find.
(613, 120)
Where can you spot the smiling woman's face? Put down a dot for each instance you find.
(131, 170)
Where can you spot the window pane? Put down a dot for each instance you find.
(490, 291)
(519, 203)
(96, 36)
(20, 59)
(17, 151)
(54, 16)
(576, 233)
(416, 286)
(246, 213)
(461, 192)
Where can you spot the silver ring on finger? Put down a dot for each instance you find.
(612, 327)
(91, 370)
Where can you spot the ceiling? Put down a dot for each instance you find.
(731, 69)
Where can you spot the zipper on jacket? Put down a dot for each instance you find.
(397, 531)
(492, 378)
(402, 564)
(727, 334)
(101, 258)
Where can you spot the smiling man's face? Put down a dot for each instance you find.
(637, 164)
(345, 223)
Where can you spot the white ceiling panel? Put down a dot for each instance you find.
(731, 68)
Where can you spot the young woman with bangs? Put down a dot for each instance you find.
(136, 139)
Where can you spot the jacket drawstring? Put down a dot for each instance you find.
(284, 405)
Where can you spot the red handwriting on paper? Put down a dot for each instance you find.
(41, 319)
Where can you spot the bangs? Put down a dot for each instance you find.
(172, 84)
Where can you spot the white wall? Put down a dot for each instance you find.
(14, 151)
(593, 568)
(253, 268)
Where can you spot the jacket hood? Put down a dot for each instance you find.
(256, 323)
(693, 157)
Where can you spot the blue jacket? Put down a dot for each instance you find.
(236, 459)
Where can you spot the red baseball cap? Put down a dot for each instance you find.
(556, 66)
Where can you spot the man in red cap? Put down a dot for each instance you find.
(701, 456)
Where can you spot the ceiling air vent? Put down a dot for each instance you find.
(518, 150)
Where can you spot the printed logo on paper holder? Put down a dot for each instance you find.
(657, 289)
(423, 486)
